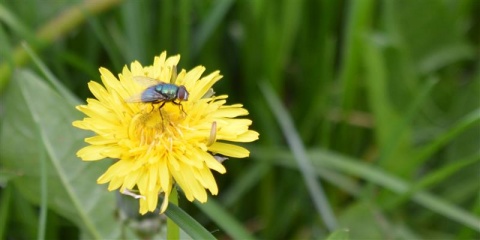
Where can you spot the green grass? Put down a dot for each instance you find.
(368, 114)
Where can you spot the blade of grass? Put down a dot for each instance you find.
(324, 159)
(393, 141)
(25, 215)
(214, 18)
(79, 63)
(54, 82)
(105, 40)
(462, 125)
(467, 233)
(187, 223)
(56, 28)
(173, 231)
(386, 180)
(135, 25)
(42, 222)
(341, 234)
(295, 143)
(164, 22)
(184, 40)
(5, 49)
(14, 23)
(340, 180)
(358, 17)
(385, 114)
(244, 183)
(280, 34)
(435, 177)
(445, 57)
(322, 96)
(225, 220)
(5, 206)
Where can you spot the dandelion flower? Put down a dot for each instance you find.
(158, 146)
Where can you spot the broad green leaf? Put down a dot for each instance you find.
(39, 121)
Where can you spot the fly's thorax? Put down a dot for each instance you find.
(169, 91)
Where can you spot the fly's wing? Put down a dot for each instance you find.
(148, 95)
(146, 81)
(135, 98)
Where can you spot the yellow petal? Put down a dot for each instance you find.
(152, 200)
(202, 86)
(229, 150)
(158, 63)
(91, 153)
(190, 80)
(164, 176)
(153, 177)
(131, 179)
(205, 176)
(115, 183)
(248, 136)
(111, 83)
(229, 112)
(143, 206)
(165, 201)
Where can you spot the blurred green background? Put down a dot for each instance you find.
(368, 113)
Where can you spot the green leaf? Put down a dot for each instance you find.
(324, 159)
(341, 234)
(5, 206)
(435, 49)
(187, 223)
(214, 18)
(173, 231)
(39, 121)
(135, 24)
(225, 220)
(462, 125)
(304, 163)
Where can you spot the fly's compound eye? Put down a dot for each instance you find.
(182, 93)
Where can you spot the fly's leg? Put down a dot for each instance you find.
(153, 107)
(160, 111)
(162, 103)
(181, 106)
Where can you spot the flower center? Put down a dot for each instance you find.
(152, 126)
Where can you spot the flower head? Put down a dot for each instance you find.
(159, 143)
